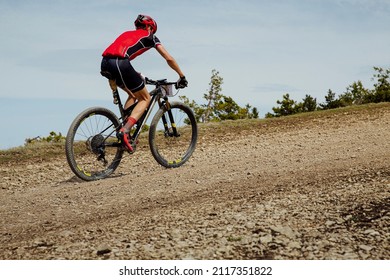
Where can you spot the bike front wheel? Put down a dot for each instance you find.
(92, 148)
(173, 134)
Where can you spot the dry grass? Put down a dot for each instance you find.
(38, 152)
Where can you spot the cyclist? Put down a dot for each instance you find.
(116, 61)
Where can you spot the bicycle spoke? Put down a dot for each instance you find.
(92, 148)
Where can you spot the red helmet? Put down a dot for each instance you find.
(144, 20)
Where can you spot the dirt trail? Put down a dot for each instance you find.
(296, 188)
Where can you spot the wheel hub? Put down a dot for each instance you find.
(96, 144)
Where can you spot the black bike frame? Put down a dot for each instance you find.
(156, 95)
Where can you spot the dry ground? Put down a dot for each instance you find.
(314, 186)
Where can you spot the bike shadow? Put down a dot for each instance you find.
(74, 180)
(68, 182)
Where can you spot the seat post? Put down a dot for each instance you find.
(115, 95)
(114, 89)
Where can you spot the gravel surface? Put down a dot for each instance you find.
(313, 187)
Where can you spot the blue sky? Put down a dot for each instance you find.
(50, 52)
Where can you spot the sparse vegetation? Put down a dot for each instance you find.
(52, 138)
(355, 94)
(39, 151)
(219, 107)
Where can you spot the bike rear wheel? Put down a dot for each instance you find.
(92, 148)
(173, 144)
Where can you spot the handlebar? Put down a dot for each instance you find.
(162, 82)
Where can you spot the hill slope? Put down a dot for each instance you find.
(313, 186)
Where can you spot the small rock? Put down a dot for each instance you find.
(285, 230)
(250, 225)
(365, 247)
(348, 217)
(371, 232)
(266, 239)
(40, 243)
(294, 245)
(329, 223)
(176, 234)
(66, 233)
(102, 250)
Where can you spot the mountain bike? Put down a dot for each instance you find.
(94, 151)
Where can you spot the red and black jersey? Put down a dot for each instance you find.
(131, 44)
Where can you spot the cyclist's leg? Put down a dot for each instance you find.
(134, 85)
(130, 99)
(143, 98)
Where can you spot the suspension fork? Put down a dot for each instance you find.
(167, 105)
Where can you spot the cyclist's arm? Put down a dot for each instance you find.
(170, 60)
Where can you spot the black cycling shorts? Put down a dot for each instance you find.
(123, 73)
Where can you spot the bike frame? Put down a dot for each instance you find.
(94, 148)
(156, 97)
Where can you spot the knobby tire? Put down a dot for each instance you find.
(91, 135)
(171, 150)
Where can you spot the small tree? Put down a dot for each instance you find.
(309, 104)
(254, 114)
(218, 106)
(198, 110)
(331, 101)
(287, 107)
(226, 109)
(213, 95)
(355, 94)
(382, 85)
(248, 112)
